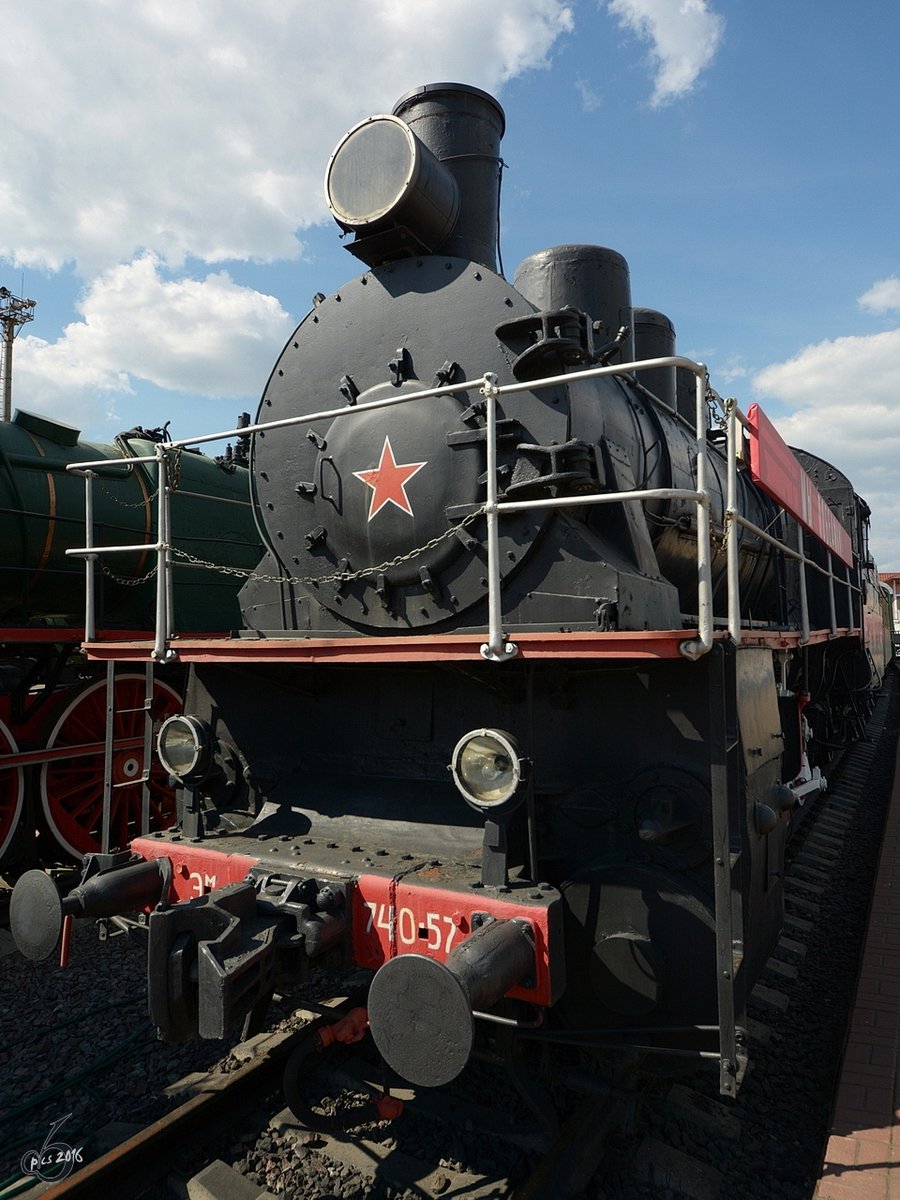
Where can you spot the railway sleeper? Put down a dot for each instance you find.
(381, 1162)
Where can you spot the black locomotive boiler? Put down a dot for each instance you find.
(548, 651)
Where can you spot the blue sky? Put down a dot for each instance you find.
(161, 190)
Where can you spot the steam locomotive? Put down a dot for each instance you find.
(52, 702)
(549, 650)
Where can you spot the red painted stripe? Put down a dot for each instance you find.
(774, 467)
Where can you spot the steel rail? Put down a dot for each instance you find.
(127, 1170)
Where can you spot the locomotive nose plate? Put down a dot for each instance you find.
(385, 481)
(388, 498)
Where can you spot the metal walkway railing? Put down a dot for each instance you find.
(497, 647)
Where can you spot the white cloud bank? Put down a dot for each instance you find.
(844, 397)
(141, 137)
(202, 129)
(883, 296)
(210, 337)
(684, 37)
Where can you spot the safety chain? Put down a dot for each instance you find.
(127, 504)
(715, 405)
(120, 579)
(173, 479)
(338, 576)
(173, 469)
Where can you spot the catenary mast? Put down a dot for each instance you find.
(14, 313)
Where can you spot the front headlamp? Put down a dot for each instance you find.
(487, 769)
(183, 747)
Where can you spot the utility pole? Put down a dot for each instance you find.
(14, 313)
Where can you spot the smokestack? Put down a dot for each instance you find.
(424, 180)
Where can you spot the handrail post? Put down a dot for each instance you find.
(90, 595)
(496, 649)
(106, 821)
(849, 597)
(702, 644)
(831, 594)
(731, 528)
(170, 566)
(729, 862)
(161, 652)
(149, 680)
(804, 604)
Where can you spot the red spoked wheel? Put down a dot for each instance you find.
(72, 786)
(12, 791)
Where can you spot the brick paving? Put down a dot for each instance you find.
(862, 1158)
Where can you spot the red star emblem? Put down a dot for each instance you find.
(388, 481)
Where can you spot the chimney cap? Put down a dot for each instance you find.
(429, 90)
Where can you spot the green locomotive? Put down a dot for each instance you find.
(53, 705)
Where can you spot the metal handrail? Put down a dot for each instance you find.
(497, 647)
(735, 416)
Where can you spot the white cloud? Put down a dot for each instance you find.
(209, 337)
(591, 99)
(202, 130)
(843, 400)
(861, 372)
(732, 369)
(142, 138)
(684, 37)
(883, 296)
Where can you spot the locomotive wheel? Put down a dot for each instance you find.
(72, 789)
(12, 791)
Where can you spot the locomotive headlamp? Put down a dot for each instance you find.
(487, 769)
(183, 747)
(381, 177)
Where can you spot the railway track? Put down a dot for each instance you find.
(367, 1162)
(215, 1100)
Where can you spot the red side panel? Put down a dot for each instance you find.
(775, 469)
(392, 917)
(196, 869)
(388, 916)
